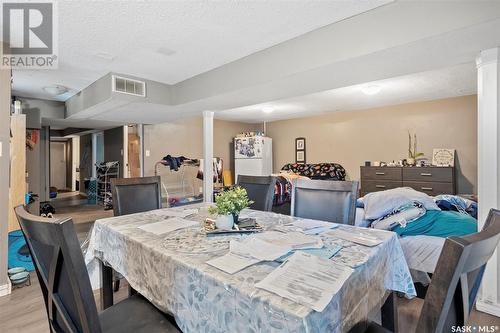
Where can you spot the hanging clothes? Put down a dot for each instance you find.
(174, 162)
(218, 167)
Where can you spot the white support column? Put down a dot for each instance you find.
(75, 158)
(126, 170)
(94, 155)
(488, 122)
(140, 131)
(208, 155)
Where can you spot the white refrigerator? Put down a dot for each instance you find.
(253, 156)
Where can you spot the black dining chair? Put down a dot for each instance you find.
(66, 288)
(332, 201)
(260, 190)
(453, 289)
(135, 195)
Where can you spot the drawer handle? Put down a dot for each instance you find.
(426, 188)
(380, 186)
(426, 174)
(380, 173)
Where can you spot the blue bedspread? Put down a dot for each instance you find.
(440, 224)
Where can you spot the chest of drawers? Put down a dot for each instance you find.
(430, 180)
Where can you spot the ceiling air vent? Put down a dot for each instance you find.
(128, 86)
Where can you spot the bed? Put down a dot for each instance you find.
(424, 237)
(283, 187)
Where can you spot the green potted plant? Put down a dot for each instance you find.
(412, 150)
(228, 205)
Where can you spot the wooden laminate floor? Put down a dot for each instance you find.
(23, 311)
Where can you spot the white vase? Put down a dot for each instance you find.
(410, 161)
(224, 222)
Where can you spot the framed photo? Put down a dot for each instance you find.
(443, 157)
(300, 156)
(300, 144)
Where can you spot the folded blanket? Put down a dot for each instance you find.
(440, 224)
(379, 204)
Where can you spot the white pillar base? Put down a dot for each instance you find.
(488, 307)
(5, 289)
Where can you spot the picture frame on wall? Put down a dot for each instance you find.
(300, 156)
(300, 144)
(443, 157)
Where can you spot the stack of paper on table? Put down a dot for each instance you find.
(325, 252)
(180, 213)
(267, 246)
(168, 225)
(312, 227)
(355, 236)
(307, 279)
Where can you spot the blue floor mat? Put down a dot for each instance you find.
(19, 255)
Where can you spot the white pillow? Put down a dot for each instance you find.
(379, 204)
(401, 218)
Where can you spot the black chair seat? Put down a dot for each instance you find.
(376, 328)
(370, 327)
(136, 314)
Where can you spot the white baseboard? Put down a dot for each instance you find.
(5, 289)
(489, 307)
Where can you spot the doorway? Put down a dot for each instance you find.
(59, 161)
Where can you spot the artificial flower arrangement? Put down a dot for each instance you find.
(229, 204)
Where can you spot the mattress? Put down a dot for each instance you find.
(421, 252)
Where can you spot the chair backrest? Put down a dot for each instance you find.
(135, 195)
(61, 270)
(332, 201)
(260, 190)
(455, 283)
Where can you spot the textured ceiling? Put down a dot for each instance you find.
(170, 41)
(448, 82)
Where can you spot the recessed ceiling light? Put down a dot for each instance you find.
(166, 51)
(55, 90)
(105, 56)
(371, 90)
(267, 109)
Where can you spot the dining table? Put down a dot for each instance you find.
(171, 271)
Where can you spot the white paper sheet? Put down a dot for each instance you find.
(254, 247)
(180, 213)
(307, 224)
(358, 237)
(271, 245)
(293, 240)
(232, 263)
(172, 224)
(307, 279)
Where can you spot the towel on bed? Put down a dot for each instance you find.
(440, 224)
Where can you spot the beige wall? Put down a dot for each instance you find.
(353, 137)
(185, 137)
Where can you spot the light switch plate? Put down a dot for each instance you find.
(148, 153)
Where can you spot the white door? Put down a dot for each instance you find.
(58, 165)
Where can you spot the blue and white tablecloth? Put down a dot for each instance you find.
(171, 271)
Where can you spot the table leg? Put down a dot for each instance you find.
(390, 313)
(106, 286)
